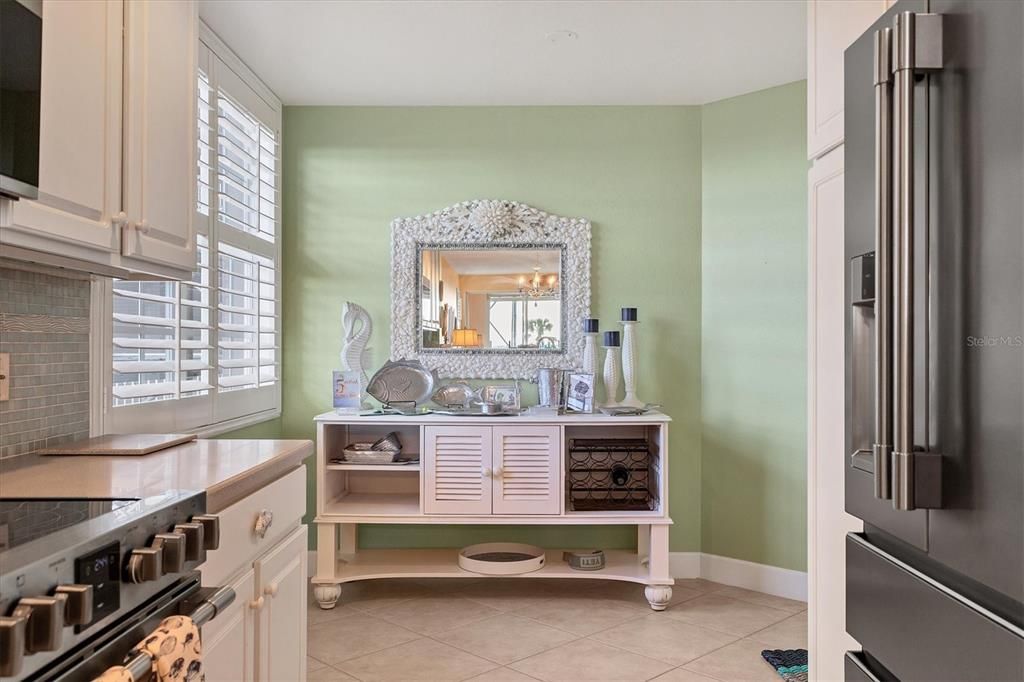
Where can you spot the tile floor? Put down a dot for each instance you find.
(553, 630)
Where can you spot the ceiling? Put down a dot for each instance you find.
(514, 52)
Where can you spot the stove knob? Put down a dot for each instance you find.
(173, 545)
(211, 530)
(78, 603)
(193, 539)
(45, 622)
(12, 645)
(145, 563)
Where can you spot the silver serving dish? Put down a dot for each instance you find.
(624, 411)
(456, 394)
(402, 382)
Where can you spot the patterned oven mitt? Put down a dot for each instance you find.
(176, 650)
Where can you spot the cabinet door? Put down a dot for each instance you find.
(229, 641)
(80, 134)
(161, 42)
(526, 469)
(281, 631)
(831, 26)
(457, 470)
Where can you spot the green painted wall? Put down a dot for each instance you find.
(647, 177)
(633, 171)
(753, 327)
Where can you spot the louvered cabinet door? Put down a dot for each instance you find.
(457, 470)
(526, 466)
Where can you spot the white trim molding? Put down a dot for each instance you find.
(488, 223)
(781, 582)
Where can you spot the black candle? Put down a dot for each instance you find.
(629, 314)
(590, 325)
(611, 339)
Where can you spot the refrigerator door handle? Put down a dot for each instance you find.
(917, 46)
(882, 446)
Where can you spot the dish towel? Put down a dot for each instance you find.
(176, 650)
(790, 664)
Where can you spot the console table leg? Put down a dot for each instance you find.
(327, 595)
(658, 596)
(658, 566)
(326, 549)
(348, 538)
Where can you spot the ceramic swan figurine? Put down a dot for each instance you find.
(357, 327)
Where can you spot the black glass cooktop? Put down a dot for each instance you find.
(24, 520)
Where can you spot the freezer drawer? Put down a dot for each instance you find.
(920, 630)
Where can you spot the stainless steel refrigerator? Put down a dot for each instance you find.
(934, 218)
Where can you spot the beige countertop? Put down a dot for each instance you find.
(227, 470)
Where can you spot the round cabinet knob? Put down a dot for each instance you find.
(145, 563)
(143, 226)
(256, 604)
(78, 603)
(193, 533)
(499, 472)
(271, 590)
(486, 473)
(173, 545)
(44, 626)
(119, 219)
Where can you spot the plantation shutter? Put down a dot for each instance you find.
(526, 470)
(458, 461)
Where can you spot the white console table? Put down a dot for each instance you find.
(478, 470)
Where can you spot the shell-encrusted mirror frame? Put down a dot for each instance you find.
(496, 224)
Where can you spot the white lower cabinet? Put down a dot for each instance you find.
(281, 625)
(263, 556)
(229, 640)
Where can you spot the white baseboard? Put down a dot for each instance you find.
(781, 582)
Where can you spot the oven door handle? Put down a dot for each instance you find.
(218, 599)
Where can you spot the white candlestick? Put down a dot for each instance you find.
(629, 365)
(590, 365)
(611, 375)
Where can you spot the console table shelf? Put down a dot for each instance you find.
(482, 471)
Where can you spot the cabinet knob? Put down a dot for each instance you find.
(499, 472)
(119, 219)
(143, 226)
(264, 520)
(486, 473)
(271, 589)
(256, 604)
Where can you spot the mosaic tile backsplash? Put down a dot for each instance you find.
(44, 325)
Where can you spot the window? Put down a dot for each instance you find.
(204, 354)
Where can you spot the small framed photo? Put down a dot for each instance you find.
(503, 394)
(579, 396)
(348, 391)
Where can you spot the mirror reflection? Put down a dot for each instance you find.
(491, 298)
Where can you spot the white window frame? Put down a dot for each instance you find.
(218, 411)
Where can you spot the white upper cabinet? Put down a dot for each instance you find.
(117, 147)
(832, 26)
(80, 134)
(159, 132)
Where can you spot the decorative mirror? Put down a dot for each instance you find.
(489, 289)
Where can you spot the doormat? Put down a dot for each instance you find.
(790, 664)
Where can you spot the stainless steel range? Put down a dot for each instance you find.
(84, 580)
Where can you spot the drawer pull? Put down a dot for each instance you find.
(256, 604)
(263, 522)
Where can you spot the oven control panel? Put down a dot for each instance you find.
(101, 571)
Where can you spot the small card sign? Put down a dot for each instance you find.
(580, 393)
(347, 391)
